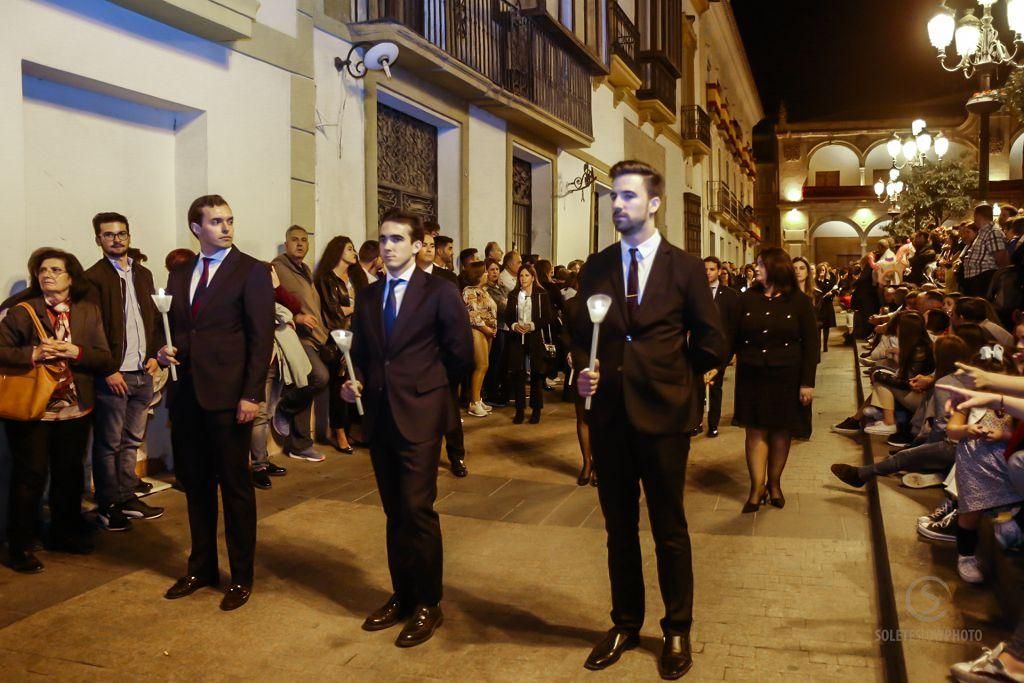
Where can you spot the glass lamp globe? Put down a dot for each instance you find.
(968, 35)
(1015, 15)
(894, 173)
(909, 149)
(941, 145)
(890, 188)
(917, 126)
(879, 188)
(899, 186)
(893, 146)
(941, 27)
(924, 142)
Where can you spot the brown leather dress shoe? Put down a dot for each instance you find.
(236, 596)
(675, 657)
(186, 585)
(393, 612)
(611, 647)
(421, 627)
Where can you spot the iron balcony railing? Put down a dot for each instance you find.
(624, 35)
(496, 39)
(659, 83)
(696, 124)
(722, 201)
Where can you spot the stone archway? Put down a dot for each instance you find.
(835, 239)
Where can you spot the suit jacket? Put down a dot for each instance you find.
(444, 274)
(649, 365)
(227, 348)
(543, 318)
(409, 371)
(727, 300)
(783, 333)
(107, 293)
(18, 336)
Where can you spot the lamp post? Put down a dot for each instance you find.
(980, 50)
(915, 148)
(889, 193)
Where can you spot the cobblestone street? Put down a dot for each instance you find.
(780, 595)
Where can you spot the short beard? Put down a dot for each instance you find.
(631, 228)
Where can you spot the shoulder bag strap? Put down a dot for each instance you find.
(40, 330)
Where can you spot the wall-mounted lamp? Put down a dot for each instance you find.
(379, 56)
(585, 180)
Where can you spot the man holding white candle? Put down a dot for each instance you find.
(122, 289)
(646, 402)
(410, 333)
(222, 319)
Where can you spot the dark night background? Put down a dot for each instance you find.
(852, 59)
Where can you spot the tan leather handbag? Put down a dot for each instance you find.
(24, 392)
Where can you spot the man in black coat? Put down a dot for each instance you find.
(222, 324)
(410, 333)
(122, 289)
(727, 300)
(661, 334)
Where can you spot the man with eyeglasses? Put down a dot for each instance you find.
(122, 289)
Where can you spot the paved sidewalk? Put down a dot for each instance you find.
(780, 595)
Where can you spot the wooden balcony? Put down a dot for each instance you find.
(819, 193)
(696, 132)
(656, 98)
(493, 54)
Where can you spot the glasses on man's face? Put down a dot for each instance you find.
(111, 236)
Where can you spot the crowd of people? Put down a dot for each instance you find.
(938, 317)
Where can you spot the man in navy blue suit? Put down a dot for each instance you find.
(411, 332)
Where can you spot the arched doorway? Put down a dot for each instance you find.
(836, 242)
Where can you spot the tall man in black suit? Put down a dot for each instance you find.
(727, 300)
(411, 331)
(222, 324)
(661, 333)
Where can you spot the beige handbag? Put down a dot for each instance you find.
(25, 392)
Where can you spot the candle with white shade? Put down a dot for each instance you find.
(597, 306)
(163, 304)
(343, 338)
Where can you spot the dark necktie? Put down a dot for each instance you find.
(391, 308)
(633, 284)
(197, 298)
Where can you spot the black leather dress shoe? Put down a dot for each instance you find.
(25, 562)
(459, 468)
(393, 612)
(276, 470)
(187, 585)
(675, 657)
(421, 627)
(260, 479)
(712, 432)
(236, 596)
(611, 647)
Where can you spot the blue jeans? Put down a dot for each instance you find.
(119, 429)
(258, 453)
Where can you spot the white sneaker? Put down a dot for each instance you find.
(880, 429)
(486, 407)
(969, 569)
(477, 410)
(919, 480)
(985, 669)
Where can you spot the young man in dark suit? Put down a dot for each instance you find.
(122, 288)
(222, 324)
(411, 331)
(727, 300)
(659, 337)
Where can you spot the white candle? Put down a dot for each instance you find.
(597, 306)
(343, 338)
(163, 304)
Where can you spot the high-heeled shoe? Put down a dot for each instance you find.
(749, 507)
(584, 478)
(779, 502)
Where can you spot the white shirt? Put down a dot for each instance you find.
(429, 269)
(400, 287)
(370, 277)
(524, 310)
(644, 260)
(714, 291)
(197, 272)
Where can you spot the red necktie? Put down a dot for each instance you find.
(197, 298)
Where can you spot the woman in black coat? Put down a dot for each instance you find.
(776, 347)
(54, 444)
(528, 315)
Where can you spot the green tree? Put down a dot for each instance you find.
(935, 193)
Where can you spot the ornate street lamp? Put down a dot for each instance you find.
(915, 148)
(980, 50)
(889, 193)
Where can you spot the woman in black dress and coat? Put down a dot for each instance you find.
(528, 315)
(827, 282)
(776, 347)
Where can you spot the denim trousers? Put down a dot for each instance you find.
(258, 453)
(119, 429)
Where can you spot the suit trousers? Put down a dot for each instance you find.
(455, 440)
(407, 481)
(211, 449)
(624, 459)
(39, 449)
(712, 396)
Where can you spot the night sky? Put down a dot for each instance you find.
(851, 59)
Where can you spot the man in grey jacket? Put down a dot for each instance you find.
(291, 420)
